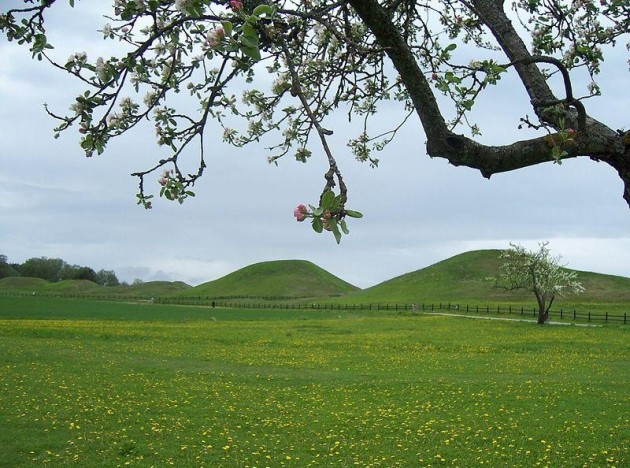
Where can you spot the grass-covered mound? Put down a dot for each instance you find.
(149, 289)
(73, 287)
(88, 288)
(22, 284)
(38, 285)
(276, 279)
(462, 278)
(607, 288)
(458, 280)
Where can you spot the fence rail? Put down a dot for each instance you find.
(246, 303)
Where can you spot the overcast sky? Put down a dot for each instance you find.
(56, 203)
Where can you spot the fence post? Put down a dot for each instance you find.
(606, 317)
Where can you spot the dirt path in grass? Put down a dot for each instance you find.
(479, 317)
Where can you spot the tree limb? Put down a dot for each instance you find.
(596, 141)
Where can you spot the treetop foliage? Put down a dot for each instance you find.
(274, 71)
(55, 269)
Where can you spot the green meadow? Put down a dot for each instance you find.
(100, 384)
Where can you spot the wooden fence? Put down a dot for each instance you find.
(256, 302)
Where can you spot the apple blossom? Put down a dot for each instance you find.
(300, 212)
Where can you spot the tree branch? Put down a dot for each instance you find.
(596, 140)
(389, 37)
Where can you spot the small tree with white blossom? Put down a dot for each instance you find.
(538, 272)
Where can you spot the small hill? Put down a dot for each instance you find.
(278, 279)
(462, 279)
(72, 287)
(88, 288)
(604, 288)
(18, 283)
(26, 284)
(149, 289)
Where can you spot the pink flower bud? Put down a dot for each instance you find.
(300, 212)
(236, 4)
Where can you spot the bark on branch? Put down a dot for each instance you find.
(596, 140)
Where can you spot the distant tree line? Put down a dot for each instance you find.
(55, 269)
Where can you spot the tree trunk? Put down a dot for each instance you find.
(543, 312)
(543, 316)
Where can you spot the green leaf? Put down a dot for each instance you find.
(227, 27)
(354, 214)
(337, 235)
(450, 47)
(262, 10)
(451, 78)
(332, 224)
(336, 203)
(467, 104)
(442, 86)
(344, 227)
(251, 52)
(249, 31)
(318, 225)
(328, 199)
(318, 211)
(250, 42)
(127, 13)
(195, 9)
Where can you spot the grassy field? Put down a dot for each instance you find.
(110, 384)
